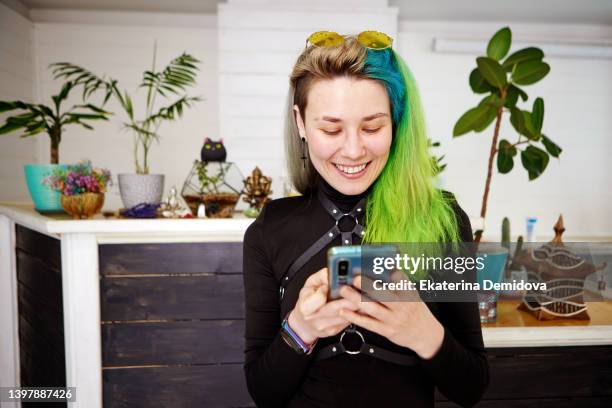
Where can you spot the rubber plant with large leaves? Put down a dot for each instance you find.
(500, 76)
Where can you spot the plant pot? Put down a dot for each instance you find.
(45, 200)
(220, 205)
(494, 259)
(140, 188)
(83, 205)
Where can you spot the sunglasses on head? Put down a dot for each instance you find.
(373, 40)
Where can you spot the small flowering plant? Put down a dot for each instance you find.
(78, 179)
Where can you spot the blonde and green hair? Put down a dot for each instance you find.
(403, 204)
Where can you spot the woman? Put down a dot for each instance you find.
(358, 153)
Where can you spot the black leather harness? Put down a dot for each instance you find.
(339, 347)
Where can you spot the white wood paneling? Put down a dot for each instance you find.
(258, 46)
(17, 82)
(9, 346)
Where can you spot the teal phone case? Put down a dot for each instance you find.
(338, 277)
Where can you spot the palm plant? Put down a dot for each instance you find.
(179, 74)
(36, 118)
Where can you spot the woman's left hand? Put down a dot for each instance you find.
(407, 323)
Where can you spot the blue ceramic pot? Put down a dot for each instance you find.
(495, 257)
(45, 199)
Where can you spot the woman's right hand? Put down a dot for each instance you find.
(313, 316)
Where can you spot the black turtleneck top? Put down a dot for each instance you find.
(277, 376)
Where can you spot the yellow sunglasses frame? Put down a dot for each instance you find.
(373, 40)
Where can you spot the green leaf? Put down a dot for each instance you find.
(499, 44)
(170, 112)
(65, 91)
(24, 119)
(505, 156)
(472, 119)
(94, 109)
(512, 96)
(493, 102)
(522, 93)
(529, 72)
(534, 161)
(82, 77)
(526, 54)
(517, 120)
(35, 128)
(6, 106)
(486, 121)
(9, 127)
(492, 71)
(85, 125)
(128, 105)
(88, 116)
(537, 115)
(45, 110)
(552, 149)
(530, 131)
(176, 77)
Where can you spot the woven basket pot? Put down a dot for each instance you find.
(84, 205)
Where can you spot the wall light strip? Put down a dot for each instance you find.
(565, 50)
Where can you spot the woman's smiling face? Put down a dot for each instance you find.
(348, 128)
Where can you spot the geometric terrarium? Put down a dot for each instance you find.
(216, 184)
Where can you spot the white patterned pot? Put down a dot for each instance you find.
(140, 188)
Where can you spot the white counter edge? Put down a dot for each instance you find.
(549, 336)
(228, 227)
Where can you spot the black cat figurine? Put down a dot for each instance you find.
(213, 151)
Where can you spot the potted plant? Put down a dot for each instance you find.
(215, 184)
(82, 188)
(499, 77)
(180, 73)
(33, 119)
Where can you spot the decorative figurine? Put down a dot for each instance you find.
(564, 273)
(201, 211)
(170, 206)
(213, 151)
(256, 192)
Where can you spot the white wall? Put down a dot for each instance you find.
(257, 50)
(17, 82)
(578, 97)
(247, 93)
(124, 51)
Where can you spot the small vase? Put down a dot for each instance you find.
(494, 257)
(140, 188)
(83, 205)
(45, 199)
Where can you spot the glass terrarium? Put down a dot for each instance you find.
(215, 184)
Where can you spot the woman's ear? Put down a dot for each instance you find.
(299, 121)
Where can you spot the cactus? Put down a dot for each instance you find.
(505, 235)
(517, 251)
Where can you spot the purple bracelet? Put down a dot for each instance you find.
(306, 347)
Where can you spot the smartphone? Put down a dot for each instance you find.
(343, 264)
(346, 262)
